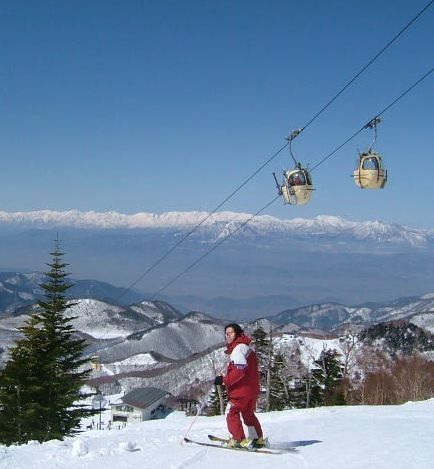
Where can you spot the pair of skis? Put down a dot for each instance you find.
(264, 450)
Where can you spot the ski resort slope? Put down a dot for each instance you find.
(362, 437)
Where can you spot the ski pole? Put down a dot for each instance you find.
(202, 405)
(195, 418)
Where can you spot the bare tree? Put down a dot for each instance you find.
(348, 345)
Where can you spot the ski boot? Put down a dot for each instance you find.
(259, 443)
(233, 443)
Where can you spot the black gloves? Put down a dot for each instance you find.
(218, 381)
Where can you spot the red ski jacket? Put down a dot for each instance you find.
(242, 375)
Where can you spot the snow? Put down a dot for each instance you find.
(310, 348)
(139, 359)
(427, 296)
(5, 289)
(322, 224)
(424, 320)
(25, 296)
(101, 320)
(359, 437)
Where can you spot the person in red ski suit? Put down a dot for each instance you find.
(242, 385)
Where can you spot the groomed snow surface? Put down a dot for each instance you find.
(360, 437)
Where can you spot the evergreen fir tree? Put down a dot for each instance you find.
(326, 380)
(17, 383)
(42, 379)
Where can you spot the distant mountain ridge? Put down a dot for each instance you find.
(310, 261)
(18, 290)
(331, 316)
(220, 224)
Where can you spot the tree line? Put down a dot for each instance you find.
(361, 372)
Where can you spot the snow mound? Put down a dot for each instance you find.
(79, 448)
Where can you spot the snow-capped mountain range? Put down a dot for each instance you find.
(220, 223)
(318, 260)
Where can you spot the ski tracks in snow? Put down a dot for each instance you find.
(191, 460)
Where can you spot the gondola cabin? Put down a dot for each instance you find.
(370, 172)
(297, 186)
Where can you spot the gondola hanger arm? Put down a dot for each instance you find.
(295, 133)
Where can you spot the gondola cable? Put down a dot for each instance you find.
(197, 261)
(272, 157)
(221, 241)
(421, 12)
(378, 115)
(158, 261)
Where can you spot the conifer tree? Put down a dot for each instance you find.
(326, 380)
(17, 383)
(41, 382)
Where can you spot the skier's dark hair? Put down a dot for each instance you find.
(236, 327)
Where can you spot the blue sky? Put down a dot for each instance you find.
(167, 105)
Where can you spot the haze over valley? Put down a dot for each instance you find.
(268, 265)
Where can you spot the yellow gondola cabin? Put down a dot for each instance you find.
(370, 172)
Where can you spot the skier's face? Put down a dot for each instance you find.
(230, 335)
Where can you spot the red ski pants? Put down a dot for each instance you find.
(245, 407)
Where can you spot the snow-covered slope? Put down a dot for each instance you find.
(115, 333)
(192, 334)
(104, 321)
(17, 289)
(364, 437)
(100, 323)
(331, 316)
(193, 375)
(424, 320)
(158, 312)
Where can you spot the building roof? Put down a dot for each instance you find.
(143, 397)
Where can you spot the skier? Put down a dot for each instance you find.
(242, 386)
